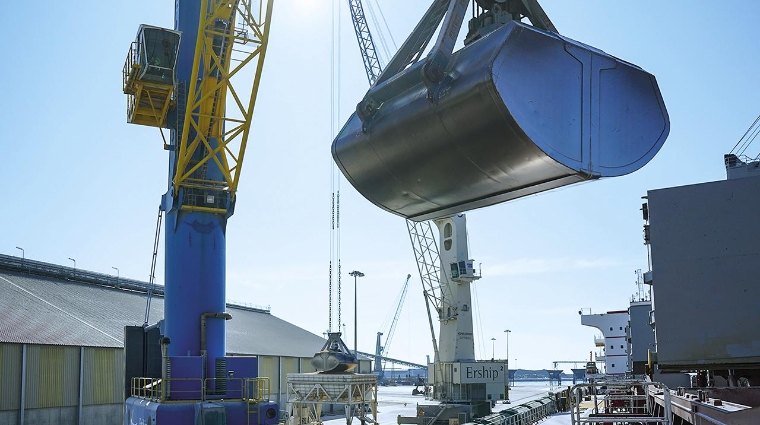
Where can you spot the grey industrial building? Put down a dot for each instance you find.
(61, 343)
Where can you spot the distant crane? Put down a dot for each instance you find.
(382, 350)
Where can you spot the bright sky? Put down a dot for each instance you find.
(82, 183)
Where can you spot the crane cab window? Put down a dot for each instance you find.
(157, 54)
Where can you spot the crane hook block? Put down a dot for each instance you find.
(520, 111)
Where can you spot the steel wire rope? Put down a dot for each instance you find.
(748, 139)
(743, 140)
(380, 32)
(332, 169)
(751, 139)
(335, 117)
(745, 134)
(475, 308)
(334, 178)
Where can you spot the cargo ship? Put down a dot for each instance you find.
(687, 349)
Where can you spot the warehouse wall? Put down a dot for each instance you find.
(277, 370)
(51, 385)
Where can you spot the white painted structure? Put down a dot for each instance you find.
(456, 376)
(614, 328)
(456, 334)
(308, 392)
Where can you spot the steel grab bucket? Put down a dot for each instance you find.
(523, 111)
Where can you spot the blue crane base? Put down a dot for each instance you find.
(143, 411)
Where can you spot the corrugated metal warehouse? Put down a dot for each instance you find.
(61, 343)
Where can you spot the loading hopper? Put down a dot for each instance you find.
(523, 111)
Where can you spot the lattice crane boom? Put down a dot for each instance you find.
(212, 140)
(366, 43)
(392, 331)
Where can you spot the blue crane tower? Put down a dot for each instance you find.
(181, 79)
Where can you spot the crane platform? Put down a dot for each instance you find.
(149, 75)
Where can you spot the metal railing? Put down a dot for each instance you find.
(39, 268)
(131, 67)
(257, 389)
(251, 390)
(617, 401)
(54, 271)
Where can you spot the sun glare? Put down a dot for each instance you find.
(304, 8)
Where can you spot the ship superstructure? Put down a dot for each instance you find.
(614, 344)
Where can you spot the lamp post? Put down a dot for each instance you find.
(75, 262)
(23, 254)
(356, 274)
(493, 348)
(507, 332)
(117, 275)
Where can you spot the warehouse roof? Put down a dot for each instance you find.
(54, 309)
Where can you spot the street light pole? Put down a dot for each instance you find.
(23, 254)
(507, 332)
(355, 274)
(117, 275)
(493, 348)
(75, 262)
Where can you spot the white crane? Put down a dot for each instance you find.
(380, 349)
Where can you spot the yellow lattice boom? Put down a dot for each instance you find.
(232, 37)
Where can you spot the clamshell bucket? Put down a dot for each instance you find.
(521, 111)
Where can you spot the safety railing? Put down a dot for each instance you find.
(617, 401)
(257, 389)
(230, 388)
(39, 268)
(160, 390)
(252, 390)
(131, 67)
(55, 271)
